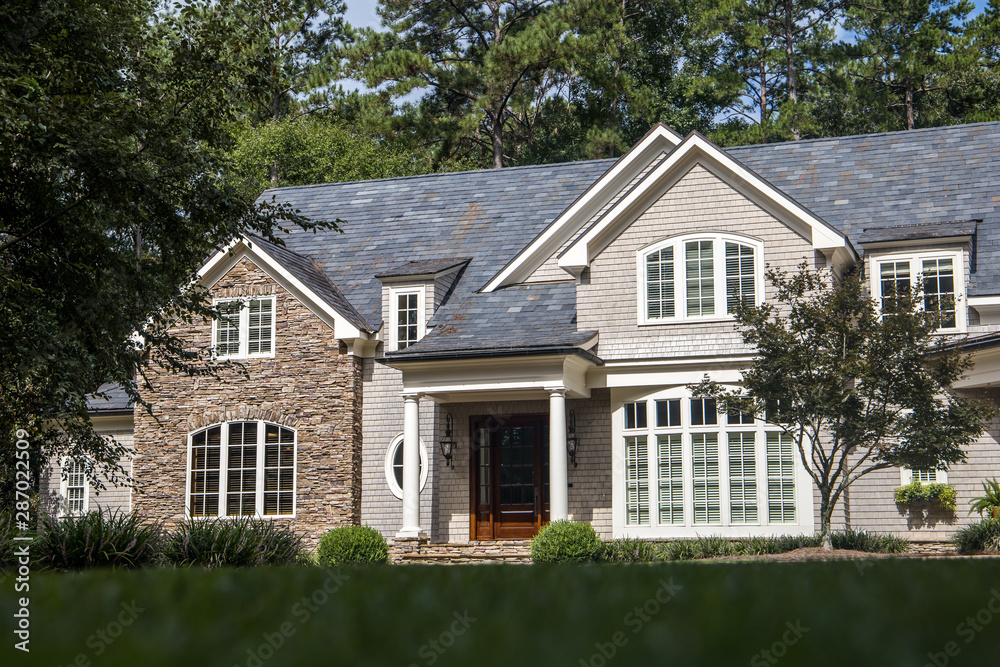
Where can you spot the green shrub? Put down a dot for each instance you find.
(944, 495)
(978, 537)
(860, 540)
(630, 550)
(566, 542)
(353, 545)
(989, 502)
(244, 542)
(96, 539)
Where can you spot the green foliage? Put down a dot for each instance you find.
(566, 542)
(989, 502)
(943, 495)
(244, 542)
(629, 550)
(861, 540)
(981, 537)
(353, 545)
(856, 391)
(96, 539)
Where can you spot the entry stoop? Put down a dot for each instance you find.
(462, 553)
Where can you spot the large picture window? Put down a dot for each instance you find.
(243, 468)
(698, 278)
(686, 465)
(244, 328)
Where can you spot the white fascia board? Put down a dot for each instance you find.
(226, 258)
(695, 148)
(660, 139)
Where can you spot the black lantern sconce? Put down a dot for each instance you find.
(448, 442)
(571, 440)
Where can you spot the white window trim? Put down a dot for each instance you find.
(394, 294)
(259, 470)
(395, 488)
(64, 490)
(680, 290)
(244, 351)
(916, 259)
(762, 527)
(906, 476)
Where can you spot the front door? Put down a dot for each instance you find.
(510, 476)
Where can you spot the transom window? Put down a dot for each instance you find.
(244, 328)
(244, 468)
(687, 465)
(939, 277)
(698, 278)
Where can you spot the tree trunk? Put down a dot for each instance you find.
(909, 108)
(497, 132)
(825, 519)
(793, 92)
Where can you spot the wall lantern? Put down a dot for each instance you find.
(448, 442)
(571, 440)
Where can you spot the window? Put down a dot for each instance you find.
(407, 321)
(698, 278)
(924, 475)
(686, 467)
(394, 466)
(939, 277)
(244, 468)
(244, 328)
(74, 491)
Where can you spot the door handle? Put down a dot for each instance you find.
(537, 513)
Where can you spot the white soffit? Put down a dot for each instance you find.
(227, 257)
(661, 139)
(697, 149)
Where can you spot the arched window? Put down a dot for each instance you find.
(698, 277)
(241, 468)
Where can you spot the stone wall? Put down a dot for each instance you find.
(311, 385)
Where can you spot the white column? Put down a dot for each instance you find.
(558, 458)
(411, 466)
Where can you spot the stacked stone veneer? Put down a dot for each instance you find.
(311, 385)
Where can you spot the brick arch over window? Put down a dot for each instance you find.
(241, 412)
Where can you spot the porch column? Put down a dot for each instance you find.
(411, 466)
(558, 458)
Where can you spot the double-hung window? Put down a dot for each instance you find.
(698, 277)
(74, 491)
(407, 317)
(244, 328)
(938, 276)
(688, 466)
(244, 468)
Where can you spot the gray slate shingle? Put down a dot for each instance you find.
(115, 400)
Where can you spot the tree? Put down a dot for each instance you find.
(115, 129)
(909, 54)
(855, 390)
(488, 64)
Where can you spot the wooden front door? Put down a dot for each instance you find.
(510, 476)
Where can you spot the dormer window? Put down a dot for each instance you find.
(407, 317)
(245, 328)
(698, 278)
(940, 279)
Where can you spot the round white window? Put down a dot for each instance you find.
(394, 466)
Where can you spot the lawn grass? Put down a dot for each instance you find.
(879, 612)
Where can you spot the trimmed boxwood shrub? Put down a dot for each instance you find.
(566, 542)
(96, 539)
(245, 542)
(353, 545)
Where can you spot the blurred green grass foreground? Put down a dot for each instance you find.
(867, 612)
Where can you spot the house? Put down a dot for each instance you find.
(482, 352)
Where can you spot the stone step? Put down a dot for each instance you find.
(506, 551)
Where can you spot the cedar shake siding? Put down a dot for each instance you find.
(311, 385)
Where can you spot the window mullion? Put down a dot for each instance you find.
(259, 471)
(223, 469)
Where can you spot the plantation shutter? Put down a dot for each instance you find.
(780, 479)
(636, 481)
(660, 284)
(742, 478)
(699, 274)
(227, 329)
(671, 482)
(740, 274)
(705, 475)
(260, 329)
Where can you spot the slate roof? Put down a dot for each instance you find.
(306, 270)
(863, 185)
(116, 400)
(929, 230)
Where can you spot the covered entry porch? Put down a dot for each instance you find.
(506, 425)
